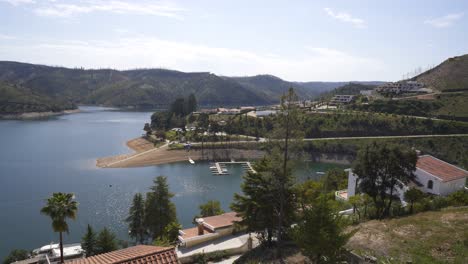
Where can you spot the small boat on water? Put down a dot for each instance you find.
(51, 253)
(191, 161)
(320, 172)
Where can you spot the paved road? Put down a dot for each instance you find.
(261, 140)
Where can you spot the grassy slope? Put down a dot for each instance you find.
(450, 75)
(430, 237)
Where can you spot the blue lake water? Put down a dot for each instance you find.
(58, 154)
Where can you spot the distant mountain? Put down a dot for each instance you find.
(15, 99)
(151, 88)
(450, 75)
(271, 87)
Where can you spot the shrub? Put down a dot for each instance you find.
(459, 198)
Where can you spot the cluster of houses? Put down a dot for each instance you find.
(227, 111)
(214, 233)
(403, 87)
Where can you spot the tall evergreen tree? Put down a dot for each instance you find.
(136, 219)
(191, 104)
(106, 242)
(160, 211)
(257, 206)
(287, 136)
(320, 234)
(88, 242)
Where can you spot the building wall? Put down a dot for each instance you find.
(424, 177)
(447, 188)
(352, 179)
(201, 239)
(208, 237)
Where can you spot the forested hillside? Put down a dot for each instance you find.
(15, 99)
(150, 88)
(348, 89)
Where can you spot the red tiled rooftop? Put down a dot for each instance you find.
(218, 221)
(441, 169)
(140, 254)
(193, 232)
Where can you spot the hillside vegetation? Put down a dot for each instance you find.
(348, 89)
(150, 88)
(450, 75)
(15, 99)
(430, 237)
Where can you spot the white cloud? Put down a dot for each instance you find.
(18, 2)
(444, 21)
(6, 37)
(345, 17)
(314, 63)
(165, 9)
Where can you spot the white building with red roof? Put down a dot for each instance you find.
(208, 228)
(435, 176)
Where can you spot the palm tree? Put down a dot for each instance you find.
(60, 207)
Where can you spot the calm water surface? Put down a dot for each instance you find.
(40, 157)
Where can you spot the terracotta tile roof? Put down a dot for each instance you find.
(140, 254)
(441, 169)
(193, 232)
(218, 221)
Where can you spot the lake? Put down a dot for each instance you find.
(39, 157)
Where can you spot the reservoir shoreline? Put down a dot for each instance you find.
(145, 154)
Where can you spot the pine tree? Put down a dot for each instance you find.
(106, 242)
(320, 234)
(88, 242)
(257, 205)
(136, 219)
(160, 211)
(286, 138)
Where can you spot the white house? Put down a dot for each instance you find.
(436, 176)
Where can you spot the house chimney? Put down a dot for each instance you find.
(200, 225)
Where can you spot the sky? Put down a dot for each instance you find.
(295, 40)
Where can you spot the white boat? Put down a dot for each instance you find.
(191, 161)
(51, 252)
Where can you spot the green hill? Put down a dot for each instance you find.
(15, 99)
(145, 88)
(450, 75)
(351, 88)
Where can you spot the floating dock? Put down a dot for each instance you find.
(219, 168)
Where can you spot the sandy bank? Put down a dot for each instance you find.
(146, 155)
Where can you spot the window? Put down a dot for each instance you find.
(430, 184)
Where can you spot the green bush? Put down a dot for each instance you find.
(459, 198)
(215, 256)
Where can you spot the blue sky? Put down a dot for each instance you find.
(294, 40)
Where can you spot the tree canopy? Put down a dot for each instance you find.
(383, 168)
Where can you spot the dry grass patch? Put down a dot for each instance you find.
(430, 237)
